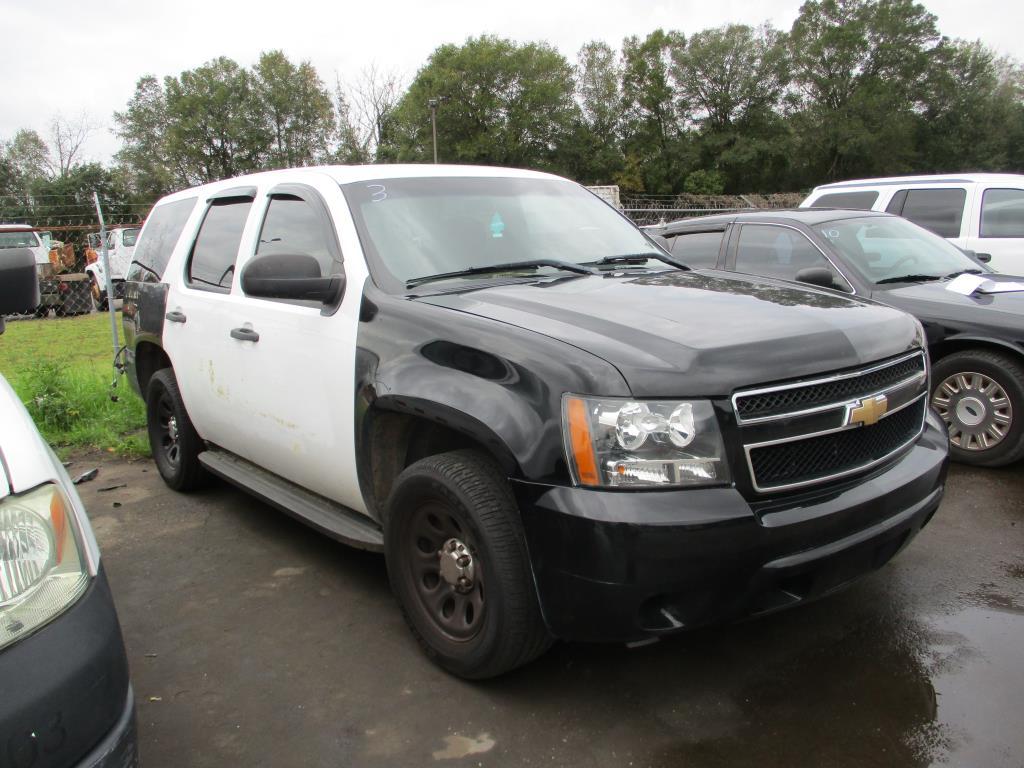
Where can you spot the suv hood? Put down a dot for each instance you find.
(700, 333)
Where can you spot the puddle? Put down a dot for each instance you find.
(977, 672)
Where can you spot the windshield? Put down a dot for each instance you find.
(130, 236)
(412, 228)
(887, 249)
(18, 240)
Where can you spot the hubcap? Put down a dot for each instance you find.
(168, 425)
(443, 567)
(976, 410)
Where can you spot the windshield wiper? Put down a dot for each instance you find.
(965, 272)
(638, 258)
(909, 279)
(568, 266)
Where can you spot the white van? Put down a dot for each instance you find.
(980, 212)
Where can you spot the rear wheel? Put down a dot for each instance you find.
(99, 297)
(458, 565)
(174, 441)
(980, 396)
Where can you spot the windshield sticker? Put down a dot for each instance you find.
(377, 192)
(497, 225)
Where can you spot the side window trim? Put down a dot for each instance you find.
(735, 250)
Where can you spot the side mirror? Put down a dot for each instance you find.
(819, 276)
(287, 276)
(984, 258)
(19, 284)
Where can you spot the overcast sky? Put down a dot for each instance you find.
(71, 56)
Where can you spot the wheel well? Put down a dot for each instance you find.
(397, 440)
(952, 346)
(149, 358)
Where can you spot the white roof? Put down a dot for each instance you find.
(345, 174)
(16, 227)
(936, 178)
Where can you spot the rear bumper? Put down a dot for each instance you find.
(630, 565)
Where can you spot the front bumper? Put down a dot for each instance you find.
(621, 566)
(66, 699)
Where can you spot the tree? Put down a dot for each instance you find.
(858, 66)
(67, 138)
(972, 110)
(296, 108)
(349, 147)
(734, 78)
(592, 153)
(654, 116)
(374, 95)
(500, 103)
(28, 156)
(214, 126)
(142, 128)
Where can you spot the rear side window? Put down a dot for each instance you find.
(1002, 213)
(940, 210)
(861, 201)
(163, 228)
(212, 264)
(697, 249)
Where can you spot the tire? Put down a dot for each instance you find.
(174, 441)
(99, 297)
(41, 311)
(494, 625)
(980, 395)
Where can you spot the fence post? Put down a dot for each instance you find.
(105, 255)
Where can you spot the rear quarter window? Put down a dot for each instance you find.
(158, 238)
(861, 201)
(1002, 213)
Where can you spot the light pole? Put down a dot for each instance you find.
(432, 103)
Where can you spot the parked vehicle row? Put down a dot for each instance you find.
(61, 289)
(549, 425)
(976, 341)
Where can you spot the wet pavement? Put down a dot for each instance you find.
(253, 640)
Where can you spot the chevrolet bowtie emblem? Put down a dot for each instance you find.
(867, 411)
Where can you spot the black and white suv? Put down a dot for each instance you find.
(549, 426)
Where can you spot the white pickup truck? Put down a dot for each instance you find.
(120, 249)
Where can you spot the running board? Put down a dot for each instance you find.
(326, 516)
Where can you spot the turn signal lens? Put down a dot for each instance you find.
(581, 445)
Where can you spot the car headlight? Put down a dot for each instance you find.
(42, 570)
(620, 442)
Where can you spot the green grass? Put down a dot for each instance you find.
(61, 369)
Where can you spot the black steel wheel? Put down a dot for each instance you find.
(172, 438)
(458, 565)
(979, 394)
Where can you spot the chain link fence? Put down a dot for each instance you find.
(660, 209)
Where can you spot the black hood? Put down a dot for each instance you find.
(994, 314)
(697, 333)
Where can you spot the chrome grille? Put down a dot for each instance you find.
(836, 453)
(805, 432)
(784, 400)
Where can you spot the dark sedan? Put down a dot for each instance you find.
(976, 340)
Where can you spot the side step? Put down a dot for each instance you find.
(338, 522)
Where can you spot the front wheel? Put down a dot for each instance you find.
(174, 441)
(980, 396)
(457, 562)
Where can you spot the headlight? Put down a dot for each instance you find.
(618, 442)
(42, 571)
